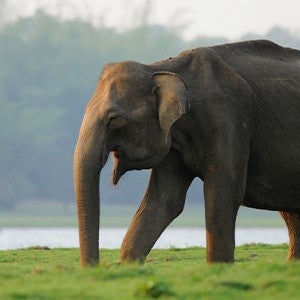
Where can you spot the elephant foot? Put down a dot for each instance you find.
(129, 256)
(219, 258)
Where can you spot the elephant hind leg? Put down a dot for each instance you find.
(292, 220)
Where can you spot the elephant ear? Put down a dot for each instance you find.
(172, 99)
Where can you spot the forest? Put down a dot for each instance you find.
(49, 69)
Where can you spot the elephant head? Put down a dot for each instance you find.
(130, 114)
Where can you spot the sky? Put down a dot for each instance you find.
(221, 18)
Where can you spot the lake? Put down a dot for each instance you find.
(14, 238)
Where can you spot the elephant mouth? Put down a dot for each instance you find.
(122, 164)
(119, 165)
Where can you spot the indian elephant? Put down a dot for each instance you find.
(228, 114)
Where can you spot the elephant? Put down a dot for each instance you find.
(227, 114)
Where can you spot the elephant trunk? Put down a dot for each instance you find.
(89, 158)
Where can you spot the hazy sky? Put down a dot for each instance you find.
(229, 18)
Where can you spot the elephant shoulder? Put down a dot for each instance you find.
(224, 75)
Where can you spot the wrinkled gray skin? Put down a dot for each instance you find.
(227, 114)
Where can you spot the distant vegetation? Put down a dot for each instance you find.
(49, 69)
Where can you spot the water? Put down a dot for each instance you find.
(14, 238)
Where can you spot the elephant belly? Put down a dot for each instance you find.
(267, 193)
(273, 175)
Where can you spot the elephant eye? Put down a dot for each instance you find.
(117, 121)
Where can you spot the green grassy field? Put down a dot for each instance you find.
(260, 272)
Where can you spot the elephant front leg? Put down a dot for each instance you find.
(163, 202)
(222, 201)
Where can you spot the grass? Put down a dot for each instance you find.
(260, 272)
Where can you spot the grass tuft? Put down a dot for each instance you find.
(237, 285)
(36, 248)
(154, 289)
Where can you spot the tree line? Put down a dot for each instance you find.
(49, 70)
